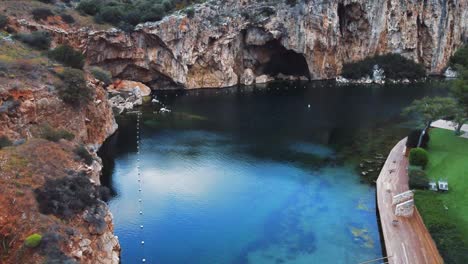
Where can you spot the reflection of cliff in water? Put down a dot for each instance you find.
(122, 142)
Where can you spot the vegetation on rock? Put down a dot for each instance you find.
(3, 21)
(33, 240)
(4, 142)
(67, 196)
(68, 56)
(37, 39)
(83, 153)
(51, 134)
(74, 90)
(395, 66)
(127, 14)
(102, 75)
(41, 13)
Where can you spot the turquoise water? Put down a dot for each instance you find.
(250, 176)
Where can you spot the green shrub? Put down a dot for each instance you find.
(65, 197)
(418, 157)
(418, 178)
(291, 2)
(74, 90)
(47, 132)
(124, 13)
(33, 240)
(83, 153)
(68, 56)
(102, 75)
(37, 39)
(460, 57)
(110, 14)
(3, 21)
(395, 66)
(5, 142)
(190, 12)
(89, 7)
(41, 13)
(67, 18)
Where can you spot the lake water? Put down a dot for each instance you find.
(253, 175)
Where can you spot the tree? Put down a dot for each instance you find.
(430, 109)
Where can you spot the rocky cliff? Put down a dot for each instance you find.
(30, 110)
(231, 42)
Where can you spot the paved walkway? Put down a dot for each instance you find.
(450, 126)
(409, 242)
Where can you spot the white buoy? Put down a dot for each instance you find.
(143, 260)
(141, 226)
(141, 212)
(142, 242)
(308, 106)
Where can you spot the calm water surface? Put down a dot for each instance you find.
(253, 175)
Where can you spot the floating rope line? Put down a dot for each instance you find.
(140, 180)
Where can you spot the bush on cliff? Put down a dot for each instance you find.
(102, 75)
(395, 66)
(41, 13)
(127, 14)
(418, 157)
(67, 18)
(83, 153)
(37, 39)
(4, 142)
(68, 56)
(67, 196)
(3, 21)
(33, 240)
(74, 90)
(89, 7)
(51, 134)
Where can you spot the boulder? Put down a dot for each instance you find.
(248, 77)
(130, 86)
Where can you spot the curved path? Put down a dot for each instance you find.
(409, 242)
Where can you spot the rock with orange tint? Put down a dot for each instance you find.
(130, 86)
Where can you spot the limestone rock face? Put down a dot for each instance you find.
(311, 39)
(223, 39)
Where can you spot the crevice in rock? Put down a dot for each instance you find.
(342, 17)
(424, 43)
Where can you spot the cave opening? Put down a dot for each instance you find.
(274, 59)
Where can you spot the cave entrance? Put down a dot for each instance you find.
(274, 59)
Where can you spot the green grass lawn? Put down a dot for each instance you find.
(446, 214)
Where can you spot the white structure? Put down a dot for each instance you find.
(433, 186)
(443, 185)
(402, 197)
(405, 209)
